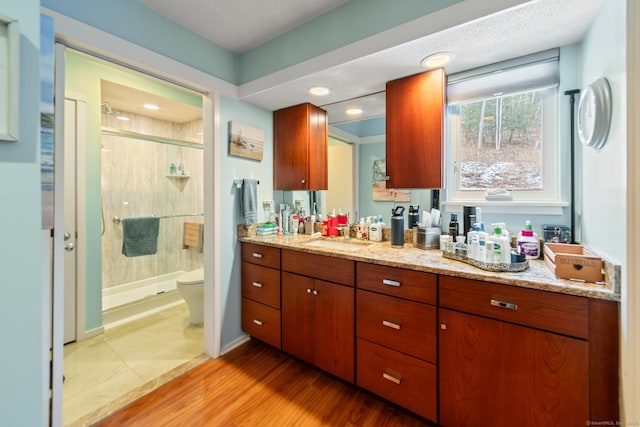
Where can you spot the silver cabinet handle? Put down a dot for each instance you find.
(308, 290)
(69, 247)
(396, 379)
(443, 326)
(258, 322)
(257, 255)
(390, 282)
(391, 325)
(503, 304)
(315, 292)
(257, 284)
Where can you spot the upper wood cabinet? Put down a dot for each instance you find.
(300, 148)
(415, 113)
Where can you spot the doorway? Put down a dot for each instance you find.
(109, 362)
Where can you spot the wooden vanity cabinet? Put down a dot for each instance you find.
(300, 148)
(396, 346)
(261, 292)
(414, 121)
(515, 356)
(318, 311)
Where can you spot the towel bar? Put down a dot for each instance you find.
(117, 220)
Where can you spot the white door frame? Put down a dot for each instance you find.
(105, 45)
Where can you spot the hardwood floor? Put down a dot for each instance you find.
(256, 385)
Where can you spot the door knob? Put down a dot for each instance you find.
(68, 247)
(67, 236)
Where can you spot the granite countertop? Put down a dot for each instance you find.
(537, 276)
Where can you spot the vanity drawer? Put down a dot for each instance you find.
(262, 255)
(331, 269)
(397, 377)
(560, 313)
(261, 322)
(406, 326)
(399, 282)
(261, 284)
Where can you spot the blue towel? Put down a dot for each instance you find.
(250, 200)
(140, 236)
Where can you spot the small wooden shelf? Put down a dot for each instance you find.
(178, 176)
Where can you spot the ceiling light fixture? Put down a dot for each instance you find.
(353, 111)
(437, 60)
(123, 118)
(319, 91)
(151, 107)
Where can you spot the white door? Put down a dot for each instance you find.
(74, 118)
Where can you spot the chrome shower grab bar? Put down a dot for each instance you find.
(118, 220)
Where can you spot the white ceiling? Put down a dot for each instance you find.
(477, 35)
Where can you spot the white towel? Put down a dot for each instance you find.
(250, 200)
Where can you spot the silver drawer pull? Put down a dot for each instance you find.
(393, 378)
(257, 284)
(390, 282)
(391, 324)
(503, 304)
(257, 255)
(258, 322)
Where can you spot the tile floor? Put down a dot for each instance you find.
(127, 361)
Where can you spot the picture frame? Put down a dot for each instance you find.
(246, 141)
(9, 78)
(379, 190)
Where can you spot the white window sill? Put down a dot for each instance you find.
(509, 206)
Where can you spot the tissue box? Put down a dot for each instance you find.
(426, 237)
(573, 262)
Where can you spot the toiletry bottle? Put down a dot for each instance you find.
(482, 248)
(461, 247)
(528, 242)
(178, 167)
(453, 225)
(360, 229)
(445, 239)
(473, 242)
(375, 231)
(172, 169)
(501, 245)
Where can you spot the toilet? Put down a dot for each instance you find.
(191, 287)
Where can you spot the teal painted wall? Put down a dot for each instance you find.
(231, 213)
(332, 30)
(23, 309)
(139, 24)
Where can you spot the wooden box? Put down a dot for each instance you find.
(573, 262)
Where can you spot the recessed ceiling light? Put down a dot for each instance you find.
(151, 107)
(123, 118)
(437, 60)
(354, 111)
(319, 91)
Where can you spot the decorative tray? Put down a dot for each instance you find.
(497, 267)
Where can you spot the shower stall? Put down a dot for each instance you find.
(151, 166)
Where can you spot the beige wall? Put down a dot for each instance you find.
(134, 183)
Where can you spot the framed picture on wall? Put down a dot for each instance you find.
(379, 190)
(9, 78)
(245, 141)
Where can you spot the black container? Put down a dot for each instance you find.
(469, 218)
(413, 218)
(397, 226)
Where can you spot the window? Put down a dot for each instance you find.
(502, 135)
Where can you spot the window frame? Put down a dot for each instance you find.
(546, 200)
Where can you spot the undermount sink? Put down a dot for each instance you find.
(338, 243)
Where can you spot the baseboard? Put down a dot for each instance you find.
(234, 344)
(83, 335)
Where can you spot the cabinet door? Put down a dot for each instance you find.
(298, 322)
(414, 118)
(291, 148)
(497, 374)
(334, 329)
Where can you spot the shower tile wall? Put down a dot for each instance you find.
(135, 183)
